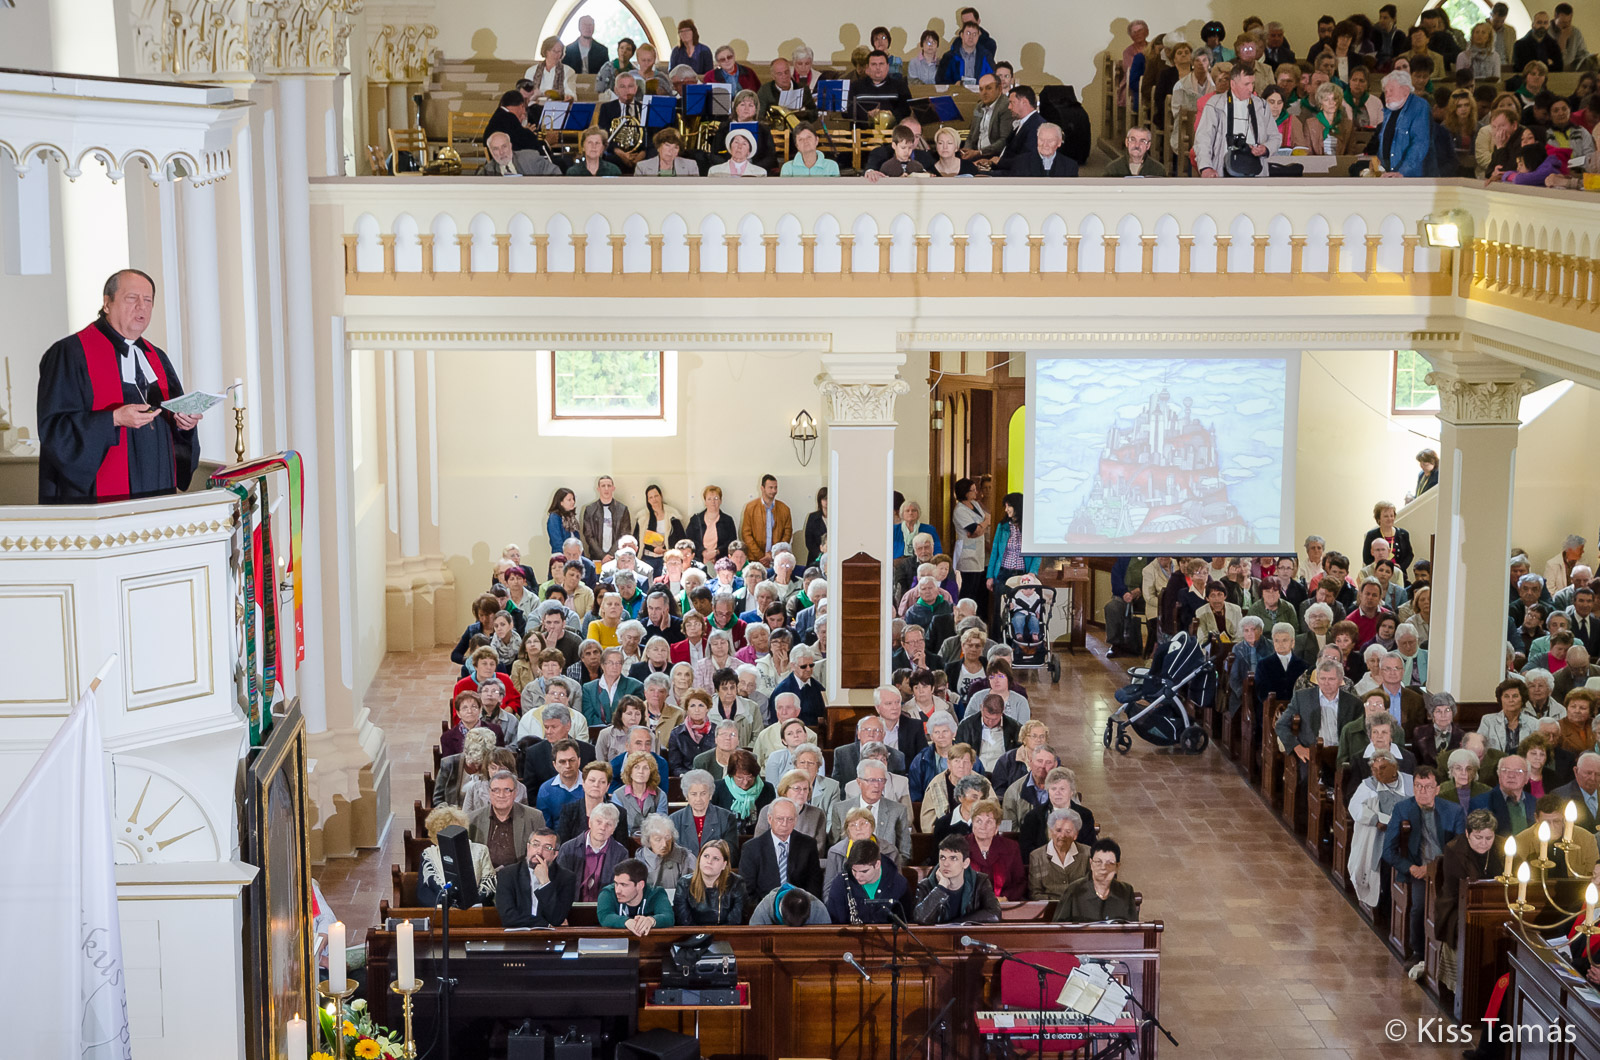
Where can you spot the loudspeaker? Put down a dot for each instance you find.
(659, 1045)
(527, 1042)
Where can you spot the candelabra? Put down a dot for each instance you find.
(1543, 864)
(337, 992)
(405, 992)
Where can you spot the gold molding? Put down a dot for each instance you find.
(65, 595)
(95, 542)
(1309, 339)
(198, 582)
(592, 340)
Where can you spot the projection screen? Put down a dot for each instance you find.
(1156, 454)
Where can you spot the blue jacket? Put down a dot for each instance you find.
(1494, 801)
(557, 533)
(953, 69)
(902, 546)
(1411, 155)
(997, 552)
(1449, 818)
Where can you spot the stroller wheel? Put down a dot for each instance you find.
(1055, 669)
(1194, 739)
(1124, 743)
(1105, 739)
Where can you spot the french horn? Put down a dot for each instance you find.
(627, 134)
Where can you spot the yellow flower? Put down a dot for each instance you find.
(367, 1049)
(350, 1030)
(320, 1056)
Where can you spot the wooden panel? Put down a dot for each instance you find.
(1539, 1000)
(860, 602)
(806, 1002)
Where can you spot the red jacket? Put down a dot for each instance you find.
(512, 701)
(1003, 866)
(747, 78)
(680, 651)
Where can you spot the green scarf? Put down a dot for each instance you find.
(1327, 126)
(744, 800)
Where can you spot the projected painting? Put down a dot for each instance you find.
(1155, 455)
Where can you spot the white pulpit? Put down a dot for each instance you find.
(151, 582)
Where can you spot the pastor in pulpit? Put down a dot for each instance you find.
(103, 434)
(536, 892)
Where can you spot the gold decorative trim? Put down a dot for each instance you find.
(198, 582)
(592, 340)
(66, 596)
(96, 542)
(992, 340)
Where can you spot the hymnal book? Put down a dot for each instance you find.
(193, 403)
(751, 127)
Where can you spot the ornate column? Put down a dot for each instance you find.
(1478, 404)
(860, 389)
(420, 599)
(399, 61)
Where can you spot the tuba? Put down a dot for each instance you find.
(780, 117)
(705, 135)
(626, 134)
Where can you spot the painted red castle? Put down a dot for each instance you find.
(1159, 479)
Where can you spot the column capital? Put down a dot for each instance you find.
(861, 404)
(863, 367)
(1463, 401)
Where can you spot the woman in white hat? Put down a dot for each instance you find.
(741, 145)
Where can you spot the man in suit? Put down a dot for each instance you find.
(988, 730)
(505, 825)
(511, 118)
(1583, 622)
(869, 729)
(991, 123)
(626, 105)
(603, 522)
(901, 732)
(535, 891)
(538, 761)
(1577, 863)
(1277, 673)
(601, 695)
(783, 80)
(1024, 140)
(1323, 710)
(586, 55)
(766, 521)
(893, 823)
(504, 162)
(878, 90)
(781, 855)
(799, 683)
(1433, 824)
(1405, 702)
(1048, 160)
(1584, 791)
(1513, 806)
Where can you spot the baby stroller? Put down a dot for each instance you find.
(1025, 625)
(1180, 665)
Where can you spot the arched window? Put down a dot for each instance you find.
(613, 20)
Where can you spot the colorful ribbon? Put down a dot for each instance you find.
(289, 462)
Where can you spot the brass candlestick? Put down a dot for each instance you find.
(337, 995)
(405, 993)
(238, 434)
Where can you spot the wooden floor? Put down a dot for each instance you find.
(1261, 958)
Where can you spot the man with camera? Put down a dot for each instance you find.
(1236, 132)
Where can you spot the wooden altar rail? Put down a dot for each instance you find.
(1539, 998)
(1484, 935)
(805, 1001)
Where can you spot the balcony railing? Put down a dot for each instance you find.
(470, 236)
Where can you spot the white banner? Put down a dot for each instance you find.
(62, 989)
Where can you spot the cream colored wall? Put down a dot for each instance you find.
(1062, 48)
(1351, 451)
(496, 473)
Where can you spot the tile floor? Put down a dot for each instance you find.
(1261, 958)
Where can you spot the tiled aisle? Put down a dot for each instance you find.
(1261, 958)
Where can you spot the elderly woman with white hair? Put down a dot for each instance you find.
(655, 658)
(1371, 809)
(1372, 656)
(1319, 623)
(665, 859)
(630, 638)
(1061, 862)
(1541, 701)
(748, 689)
(594, 873)
(934, 758)
(808, 759)
(1408, 645)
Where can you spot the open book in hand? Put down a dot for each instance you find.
(192, 404)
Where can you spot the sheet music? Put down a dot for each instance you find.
(793, 99)
(721, 100)
(554, 115)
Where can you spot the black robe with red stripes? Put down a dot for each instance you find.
(84, 457)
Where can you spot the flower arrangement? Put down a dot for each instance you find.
(363, 1038)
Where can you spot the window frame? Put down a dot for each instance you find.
(1394, 382)
(661, 424)
(557, 416)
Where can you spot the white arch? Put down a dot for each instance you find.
(1130, 245)
(791, 254)
(642, 9)
(523, 257)
(1278, 251)
(482, 254)
(407, 244)
(559, 256)
(1353, 255)
(1092, 244)
(752, 250)
(864, 255)
(1015, 256)
(1315, 257)
(713, 246)
(635, 244)
(1242, 248)
(828, 258)
(597, 255)
(941, 244)
(980, 252)
(1392, 251)
(446, 251)
(674, 244)
(903, 244)
(1203, 255)
(1053, 245)
(369, 251)
(1166, 255)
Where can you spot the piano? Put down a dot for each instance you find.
(1062, 1029)
(504, 981)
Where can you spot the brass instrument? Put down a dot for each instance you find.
(780, 117)
(705, 134)
(446, 163)
(882, 119)
(626, 134)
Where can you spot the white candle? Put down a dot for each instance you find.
(405, 956)
(1572, 820)
(238, 393)
(1544, 840)
(1522, 883)
(1511, 851)
(1591, 898)
(294, 1043)
(336, 947)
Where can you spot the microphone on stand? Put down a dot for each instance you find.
(970, 942)
(850, 959)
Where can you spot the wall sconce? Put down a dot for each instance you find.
(803, 433)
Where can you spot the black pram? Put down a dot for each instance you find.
(1153, 703)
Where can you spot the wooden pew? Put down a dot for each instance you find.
(1293, 801)
(413, 851)
(806, 1002)
(1342, 825)
(1271, 763)
(1249, 757)
(1400, 906)
(1432, 947)
(1233, 726)
(1484, 928)
(1320, 801)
